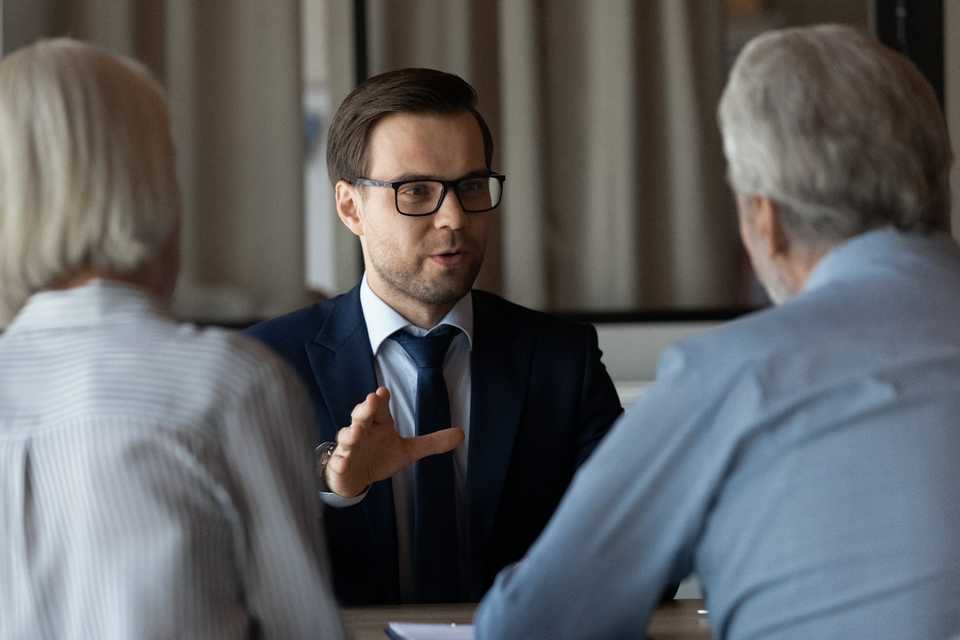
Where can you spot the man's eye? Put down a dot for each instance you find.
(415, 190)
(472, 186)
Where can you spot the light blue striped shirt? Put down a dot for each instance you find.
(156, 480)
(804, 461)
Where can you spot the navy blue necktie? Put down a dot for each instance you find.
(436, 555)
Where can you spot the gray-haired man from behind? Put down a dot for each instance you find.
(801, 460)
(156, 480)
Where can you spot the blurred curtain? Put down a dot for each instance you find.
(951, 67)
(232, 73)
(603, 114)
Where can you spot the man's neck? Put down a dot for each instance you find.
(802, 265)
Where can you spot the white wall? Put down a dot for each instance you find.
(631, 351)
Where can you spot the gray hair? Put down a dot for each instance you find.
(87, 177)
(842, 133)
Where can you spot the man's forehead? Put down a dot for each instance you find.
(448, 145)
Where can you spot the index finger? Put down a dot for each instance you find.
(366, 410)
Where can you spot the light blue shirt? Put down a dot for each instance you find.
(804, 461)
(397, 372)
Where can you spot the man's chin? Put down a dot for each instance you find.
(444, 294)
(446, 288)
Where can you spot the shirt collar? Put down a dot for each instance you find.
(865, 252)
(97, 302)
(383, 320)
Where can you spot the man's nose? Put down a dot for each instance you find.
(450, 214)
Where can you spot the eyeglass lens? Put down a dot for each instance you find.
(423, 196)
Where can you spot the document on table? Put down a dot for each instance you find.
(411, 631)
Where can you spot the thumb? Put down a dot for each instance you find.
(433, 443)
(382, 405)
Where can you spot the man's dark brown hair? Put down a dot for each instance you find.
(400, 91)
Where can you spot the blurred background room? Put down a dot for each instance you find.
(603, 112)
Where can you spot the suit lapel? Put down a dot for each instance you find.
(342, 365)
(341, 360)
(500, 369)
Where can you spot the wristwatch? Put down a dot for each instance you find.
(324, 452)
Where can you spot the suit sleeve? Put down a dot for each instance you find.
(599, 404)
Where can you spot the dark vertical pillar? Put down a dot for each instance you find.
(360, 40)
(915, 29)
(149, 35)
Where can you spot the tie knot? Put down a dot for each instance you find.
(427, 351)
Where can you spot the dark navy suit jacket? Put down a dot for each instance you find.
(541, 401)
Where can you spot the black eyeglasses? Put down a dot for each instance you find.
(421, 197)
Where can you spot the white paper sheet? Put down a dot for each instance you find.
(411, 631)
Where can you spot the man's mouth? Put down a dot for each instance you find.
(449, 258)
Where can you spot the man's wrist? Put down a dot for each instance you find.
(324, 452)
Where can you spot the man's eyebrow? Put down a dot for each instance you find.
(406, 177)
(477, 173)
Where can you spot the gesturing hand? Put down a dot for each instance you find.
(370, 449)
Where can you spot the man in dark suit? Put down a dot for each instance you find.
(421, 511)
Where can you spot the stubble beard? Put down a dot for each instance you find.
(411, 281)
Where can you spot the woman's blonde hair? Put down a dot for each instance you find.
(87, 176)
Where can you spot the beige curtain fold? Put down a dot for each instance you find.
(951, 67)
(603, 114)
(604, 118)
(247, 216)
(232, 72)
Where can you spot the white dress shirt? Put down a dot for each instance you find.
(397, 372)
(155, 480)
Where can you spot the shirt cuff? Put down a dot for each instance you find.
(338, 502)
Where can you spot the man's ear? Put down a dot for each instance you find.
(768, 226)
(348, 206)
